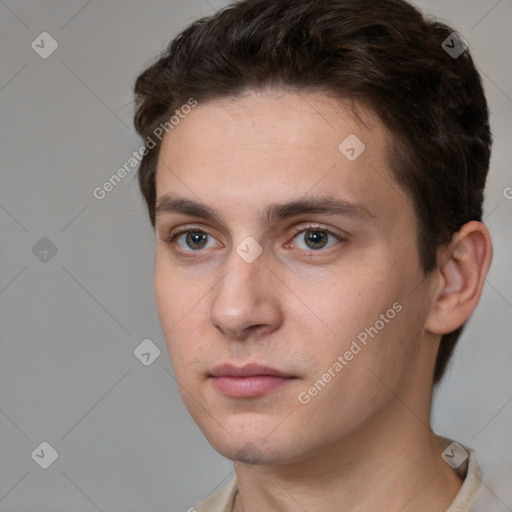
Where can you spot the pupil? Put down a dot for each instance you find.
(317, 238)
(196, 239)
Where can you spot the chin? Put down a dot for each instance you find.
(253, 452)
(282, 449)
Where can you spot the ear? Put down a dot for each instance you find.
(463, 266)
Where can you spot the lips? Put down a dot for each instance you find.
(248, 381)
(249, 370)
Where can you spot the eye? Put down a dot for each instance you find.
(193, 240)
(316, 238)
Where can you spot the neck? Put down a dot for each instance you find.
(393, 463)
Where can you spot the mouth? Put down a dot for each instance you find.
(247, 381)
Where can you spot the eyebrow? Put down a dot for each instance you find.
(327, 205)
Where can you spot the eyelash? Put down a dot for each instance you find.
(170, 239)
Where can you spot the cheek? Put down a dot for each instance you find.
(361, 313)
(176, 294)
(167, 296)
(178, 303)
(346, 302)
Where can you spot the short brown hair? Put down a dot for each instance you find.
(386, 54)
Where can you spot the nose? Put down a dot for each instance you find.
(246, 300)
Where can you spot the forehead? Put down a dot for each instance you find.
(262, 148)
(275, 117)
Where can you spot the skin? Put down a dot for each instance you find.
(364, 440)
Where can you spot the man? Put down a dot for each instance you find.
(314, 171)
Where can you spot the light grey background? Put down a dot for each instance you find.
(69, 325)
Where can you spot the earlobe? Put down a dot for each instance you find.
(466, 261)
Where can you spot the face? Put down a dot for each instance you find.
(287, 275)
